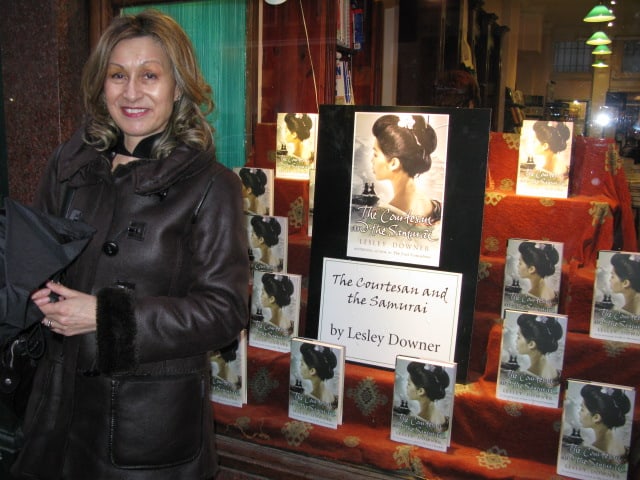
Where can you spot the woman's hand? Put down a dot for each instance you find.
(74, 312)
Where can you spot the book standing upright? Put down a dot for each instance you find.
(316, 388)
(423, 402)
(596, 431)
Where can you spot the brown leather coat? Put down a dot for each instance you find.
(169, 266)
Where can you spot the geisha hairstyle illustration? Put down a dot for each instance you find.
(543, 258)
(410, 139)
(266, 228)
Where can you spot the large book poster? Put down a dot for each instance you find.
(596, 428)
(544, 159)
(423, 396)
(446, 211)
(615, 313)
(531, 358)
(397, 187)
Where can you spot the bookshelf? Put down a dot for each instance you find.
(300, 46)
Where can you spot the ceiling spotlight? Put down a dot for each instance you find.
(599, 38)
(599, 13)
(601, 50)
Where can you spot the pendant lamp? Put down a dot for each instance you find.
(599, 38)
(599, 64)
(601, 50)
(599, 13)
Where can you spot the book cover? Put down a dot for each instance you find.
(341, 93)
(544, 159)
(229, 373)
(275, 310)
(595, 434)
(316, 382)
(615, 313)
(257, 190)
(295, 144)
(531, 358)
(532, 273)
(268, 242)
(357, 20)
(423, 396)
(397, 207)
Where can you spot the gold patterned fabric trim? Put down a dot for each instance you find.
(367, 396)
(495, 458)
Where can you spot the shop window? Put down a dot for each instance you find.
(631, 56)
(571, 57)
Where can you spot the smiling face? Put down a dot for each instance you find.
(139, 89)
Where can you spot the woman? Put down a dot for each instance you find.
(123, 389)
(317, 365)
(427, 384)
(254, 182)
(402, 150)
(604, 409)
(299, 127)
(537, 262)
(551, 139)
(276, 294)
(265, 234)
(625, 280)
(537, 337)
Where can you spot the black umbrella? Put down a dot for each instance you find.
(34, 247)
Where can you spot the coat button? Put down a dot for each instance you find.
(110, 248)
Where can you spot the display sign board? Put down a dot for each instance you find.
(381, 311)
(418, 206)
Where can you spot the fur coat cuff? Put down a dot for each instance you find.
(116, 330)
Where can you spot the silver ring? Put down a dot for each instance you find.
(48, 323)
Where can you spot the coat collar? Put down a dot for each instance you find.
(83, 165)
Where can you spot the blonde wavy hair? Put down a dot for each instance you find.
(188, 122)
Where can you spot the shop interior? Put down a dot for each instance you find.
(531, 62)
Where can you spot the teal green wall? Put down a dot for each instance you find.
(217, 29)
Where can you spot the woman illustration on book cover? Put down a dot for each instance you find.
(625, 280)
(317, 365)
(402, 150)
(603, 410)
(276, 295)
(551, 139)
(537, 263)
(254, 182)
(223, 365)
(265, 234)
(537, 337)
(299, 126)
(427, 384)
